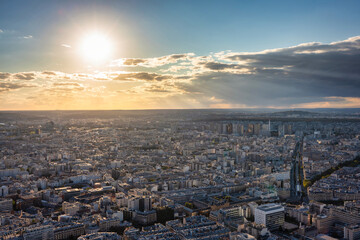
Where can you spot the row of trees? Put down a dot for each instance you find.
(351, 163)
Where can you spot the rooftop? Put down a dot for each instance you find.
(270, 207)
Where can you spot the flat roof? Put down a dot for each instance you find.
(270, 207)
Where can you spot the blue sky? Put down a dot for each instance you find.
(33, 35)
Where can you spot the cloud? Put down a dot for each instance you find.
(152, 62)
(134, 61)
(217, 66)
(64, 88)
(49, 73)
(5, 87)
(302, 74)
(310, 57)
(141, 76)
(28, 37)
(65, 45)
(25, 76)
(157, 89)
(4, 75)
(67, 84)
(1, 31)
(215, 100)
(176, 68)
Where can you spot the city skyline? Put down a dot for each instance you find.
(72, 55)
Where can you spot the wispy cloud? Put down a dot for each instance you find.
(28, 37)
(65, 45)
(152, 62)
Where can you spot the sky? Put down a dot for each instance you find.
(152, 54)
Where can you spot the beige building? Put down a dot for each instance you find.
(66, 232)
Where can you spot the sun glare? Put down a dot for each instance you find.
(96, 48)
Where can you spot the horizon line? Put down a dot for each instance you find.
(154, 109)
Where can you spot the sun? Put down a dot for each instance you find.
(96, 48)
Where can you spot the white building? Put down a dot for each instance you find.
(271, 215)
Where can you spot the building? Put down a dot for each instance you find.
(6, 205)
(271, 215)
(4, 191)
(241, 236)
(197, 227)
(67, 232)
(70, 208)
(145, 218)
(39, 233)
(106, 224)
(352, 232)
(100, 236)
(142, 204)
(231, 217)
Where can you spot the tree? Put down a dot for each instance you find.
(189, 205)
(115, 174)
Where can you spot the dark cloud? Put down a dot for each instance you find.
(340, 58)
(282, 77)
(217, 66)
(4, 75)
(49, 73)
(182, 77)
(177, 56)
(25, 76)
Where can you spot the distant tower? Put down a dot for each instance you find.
(269, 126)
